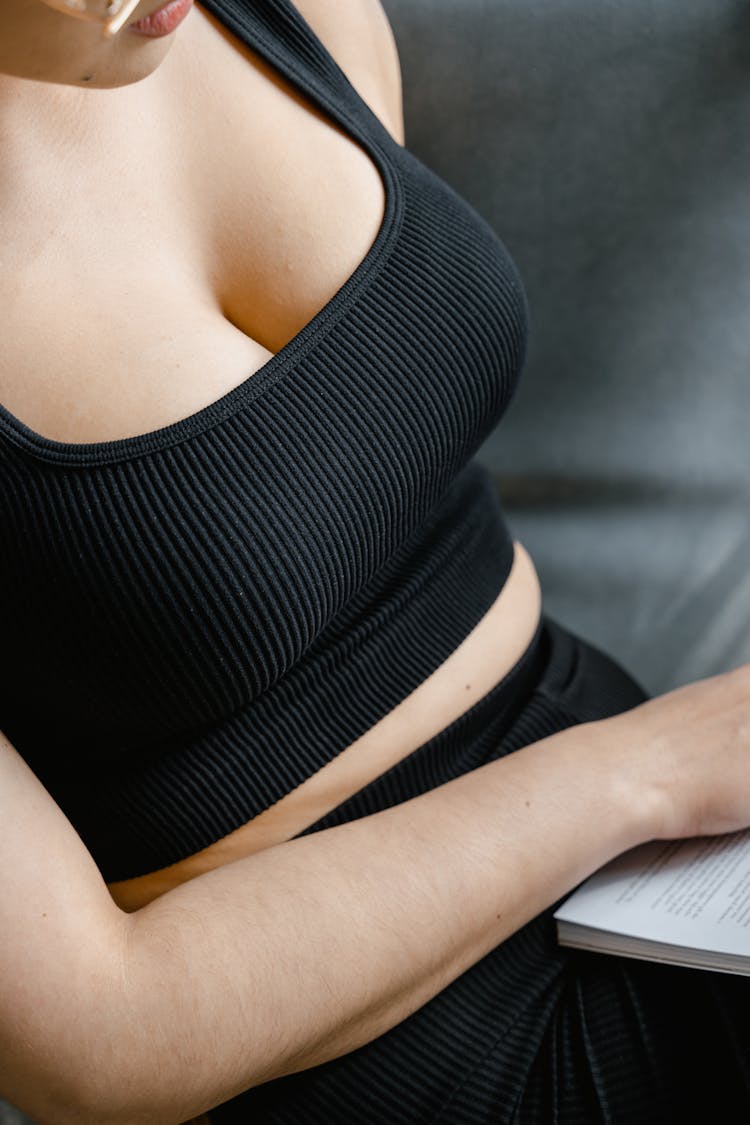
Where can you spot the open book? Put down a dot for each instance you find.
(681, 901)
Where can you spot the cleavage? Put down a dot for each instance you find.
(225, 244)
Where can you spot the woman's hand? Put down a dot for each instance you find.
(688, 752)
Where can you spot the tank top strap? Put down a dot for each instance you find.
(279, 33)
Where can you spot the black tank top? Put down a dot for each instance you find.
(197, 619)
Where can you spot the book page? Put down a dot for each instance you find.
(694, 893)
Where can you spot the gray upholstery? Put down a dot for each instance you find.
(11, 1116)
(608, 143)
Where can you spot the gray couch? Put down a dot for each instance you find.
(608, 143)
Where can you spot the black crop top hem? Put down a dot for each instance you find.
(144, 813)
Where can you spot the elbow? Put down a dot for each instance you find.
(92, 1112)
(97, 1103)
(92, 1107)
(110, 1100)
(86, 1086)
(59, 1094)
(61, 1106)
(122, 1100)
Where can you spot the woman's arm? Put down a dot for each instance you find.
(303, 952)
(284, 959)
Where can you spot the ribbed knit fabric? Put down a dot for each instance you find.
(197, 619)
(533, 1033)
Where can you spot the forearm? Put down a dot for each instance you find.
(285, 959)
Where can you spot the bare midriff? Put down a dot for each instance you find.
(483, 658)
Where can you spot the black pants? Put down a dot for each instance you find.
(532, 1034)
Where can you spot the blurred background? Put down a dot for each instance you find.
(608, 144)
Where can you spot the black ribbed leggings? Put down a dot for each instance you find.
(532, 1034)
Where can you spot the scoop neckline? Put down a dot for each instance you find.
(266, 376)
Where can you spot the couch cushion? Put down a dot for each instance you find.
(609, 146)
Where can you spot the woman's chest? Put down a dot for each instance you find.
(223, 216)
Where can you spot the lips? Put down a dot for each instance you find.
(163, 21)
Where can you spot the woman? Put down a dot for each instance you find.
(295, 770)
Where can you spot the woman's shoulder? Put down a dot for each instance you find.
(360, 38)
